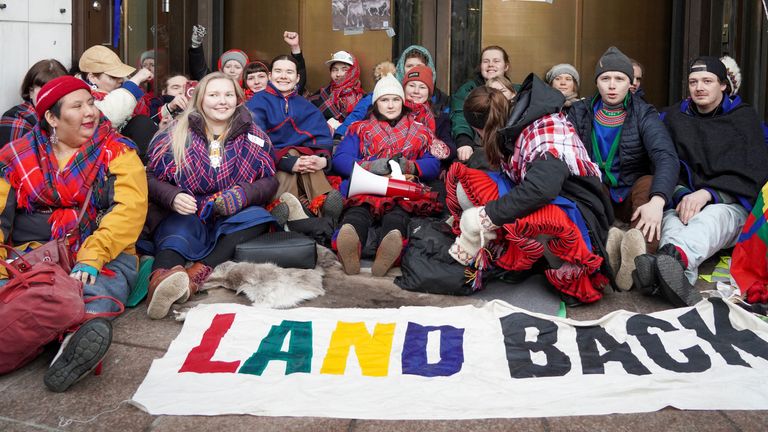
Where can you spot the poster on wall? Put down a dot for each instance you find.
(351, 15)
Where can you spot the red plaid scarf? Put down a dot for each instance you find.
(554, 135)
(339, 99)
(31, 168)
(422, 113)
(17, 122)
(378, 139)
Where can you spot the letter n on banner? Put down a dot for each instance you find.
(414, 356)
(299, 354)
(199, 359)
(519, 350)
(372, 351)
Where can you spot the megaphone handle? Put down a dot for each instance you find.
(397, 173)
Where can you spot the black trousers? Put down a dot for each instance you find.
(362, 219)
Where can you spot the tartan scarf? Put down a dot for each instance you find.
(379, 139)
(553, 135)
(245, 157)
(17, 122)
(422, 113)
(30, 166)
(339, 99)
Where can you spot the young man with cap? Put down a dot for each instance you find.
(565, 78)
(116, 96)
(722, 169)
(636, 156)
(340, 96)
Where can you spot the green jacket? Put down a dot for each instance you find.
(459, 125)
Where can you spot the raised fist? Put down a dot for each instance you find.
(198, 33)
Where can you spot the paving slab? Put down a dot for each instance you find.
(27, 400)
(233, 423)
(667, 420)
(480, 425)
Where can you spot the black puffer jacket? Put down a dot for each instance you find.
(645, 146)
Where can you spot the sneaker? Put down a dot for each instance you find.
(388, 252)
(333, 206)
(348, 248)
(632, 246)
(166, 287)
(80, 353)
(673, 283)
(613, 248)
(280, 213)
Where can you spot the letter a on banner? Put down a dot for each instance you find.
(298, 358)
(372, 351)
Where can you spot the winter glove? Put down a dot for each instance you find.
(230, 201)
(378, 166)
(407, 166)
(85, 268)
(757, 293)
(439, 149)
(476, 231)
(198, 33)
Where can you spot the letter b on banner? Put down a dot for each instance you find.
(519, 350)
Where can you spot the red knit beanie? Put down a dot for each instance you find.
(420, 73)
(56, 89)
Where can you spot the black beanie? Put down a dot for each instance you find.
(709, 64)
(614, 60)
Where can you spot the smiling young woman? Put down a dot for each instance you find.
(210, 172)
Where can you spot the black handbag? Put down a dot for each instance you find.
(286, 249)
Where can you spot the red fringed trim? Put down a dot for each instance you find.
(335, 181)
(572, 279)
(272, 205)
(380, 205)
(478, 187)
(317, 203)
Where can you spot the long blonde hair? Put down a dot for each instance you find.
(181, 130)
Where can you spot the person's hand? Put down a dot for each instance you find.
(84, 273)
(315, 163)
(230, 202)
(179, 103)
(378, 166)
(650, 215)
(692, 204)
(464, 152)
(184, 204)
(292, 39)
(198, 34)
(142, 75)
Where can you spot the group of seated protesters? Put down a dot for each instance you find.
(528, 173)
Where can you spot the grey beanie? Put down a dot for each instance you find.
(562, 68)
(614, 60)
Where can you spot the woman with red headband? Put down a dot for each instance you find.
(47, 175)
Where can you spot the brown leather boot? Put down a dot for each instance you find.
(388, 252)
(166, 286)
(348, 248)
(198, 273)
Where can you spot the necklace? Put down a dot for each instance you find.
(214, 153)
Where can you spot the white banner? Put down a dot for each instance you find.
(457, 363)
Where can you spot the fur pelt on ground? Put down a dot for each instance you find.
(267, 284)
